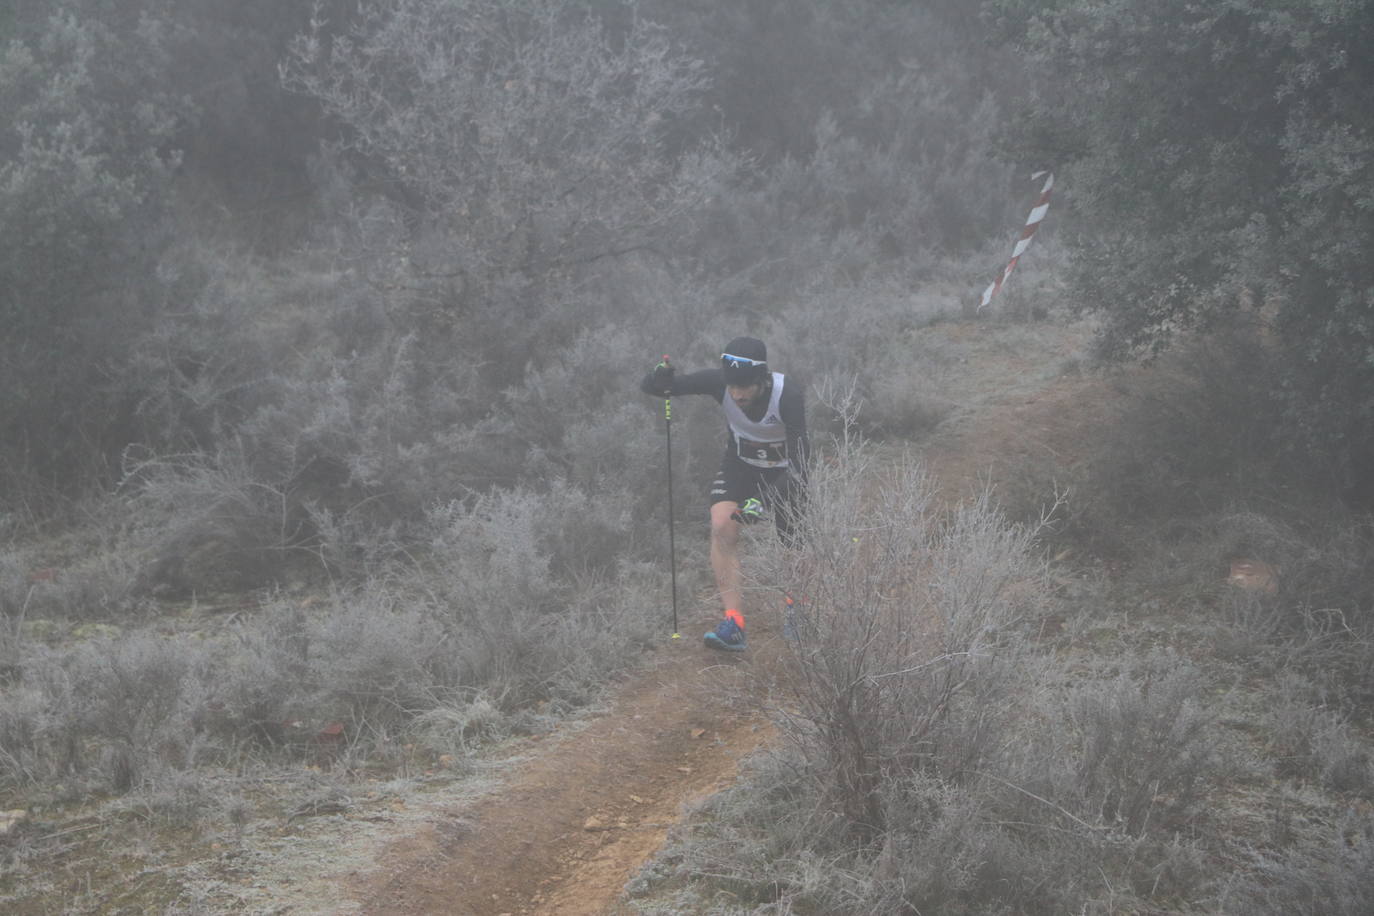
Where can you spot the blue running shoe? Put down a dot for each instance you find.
(727, 635)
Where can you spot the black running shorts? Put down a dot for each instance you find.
(777, 489)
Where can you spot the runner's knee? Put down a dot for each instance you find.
(724, 528)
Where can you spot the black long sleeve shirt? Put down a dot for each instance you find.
(791, 408)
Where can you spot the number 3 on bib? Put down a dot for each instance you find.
(763, 454)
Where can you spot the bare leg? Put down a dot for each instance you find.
(725, 554)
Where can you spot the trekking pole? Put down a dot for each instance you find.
(672, 546)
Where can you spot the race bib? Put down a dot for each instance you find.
(762, 454)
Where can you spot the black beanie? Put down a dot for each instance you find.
(751, 367)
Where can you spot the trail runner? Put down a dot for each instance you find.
(764, 466)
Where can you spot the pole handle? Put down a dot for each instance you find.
(667, 400)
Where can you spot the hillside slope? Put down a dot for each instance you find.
(583, 809)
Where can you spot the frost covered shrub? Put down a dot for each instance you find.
(460, 725)
(776, 840)
(414, 653)
(24, 729)
(331, 458)
(209, 357)
(879, 165)
(144, 692)
(581, 415)
(211, 523)
(371, 658)
(378, 660)
(494, 555)
(307, 470)
(1147, 744)
(912, 653)
(263, 681)
(867, 337)
(931, 762)
(577, 122)
(1332, 877)
(15, 589)
(116, 711)
(515, 573)
(519, 548)
(1310, 740)
(177, 798)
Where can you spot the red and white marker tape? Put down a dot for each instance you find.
(1042, 206)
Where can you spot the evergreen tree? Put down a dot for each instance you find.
(1221, 156)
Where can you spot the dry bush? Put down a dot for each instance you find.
(450, 655)
(143, 711)
(111, 713)
(1310, 739)
(865, 337)
(213, 523)
(1197, 433)
(83, 573)
(333, 460)
(933, 763)
(140, 695)
(1190, 439)
(376, 660)
(775, 843)
(531, 582)
(177, 798)
(462, 725)
(1332, 877)
(15, 588)
(911, 655)
(25, 755)
(1314, 614)
(909, 668)
(508, 594)
(264, 682)
(372, 659)
(1146, 744)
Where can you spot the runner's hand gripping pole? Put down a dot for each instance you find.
(663, 375)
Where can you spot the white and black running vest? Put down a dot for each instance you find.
(763, 442)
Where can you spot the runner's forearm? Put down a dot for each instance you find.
(703, 381)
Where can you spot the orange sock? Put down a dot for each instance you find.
(736, 616)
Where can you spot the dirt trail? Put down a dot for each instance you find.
(574, 822)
